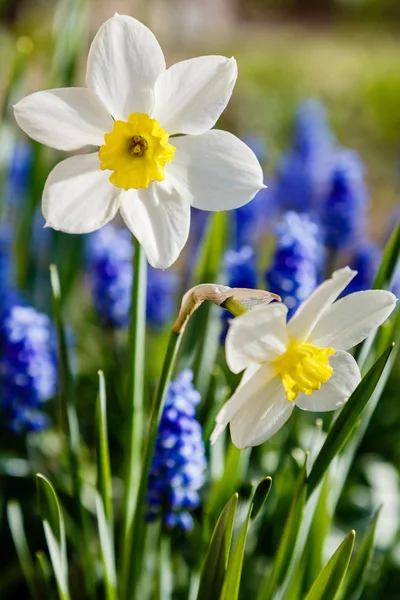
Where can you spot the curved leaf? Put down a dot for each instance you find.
(347, 421)
(329, 581)
(216, 562)
(230, 590)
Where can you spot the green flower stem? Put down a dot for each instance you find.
(134, 404)
(69, 424)
(235, 307)
(134, 549)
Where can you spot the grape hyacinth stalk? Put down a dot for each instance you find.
(28, 368)
(296, 264)
(179, 463)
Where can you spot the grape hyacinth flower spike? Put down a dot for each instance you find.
(28, 368)
(297, 261)
(132, 109)
(179, 463)
(302, 362)
(109, 255)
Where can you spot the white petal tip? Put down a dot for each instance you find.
(47, 225)
(218, 429)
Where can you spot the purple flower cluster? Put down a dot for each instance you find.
(303, 173)
(343, 211)
(179, 462)
(28, 368)
(296, 264)
(110, 253)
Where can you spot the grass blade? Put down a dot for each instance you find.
(107, 550)
(54, 531)
(347, 421)
(360, 566)
(389, 261)
(216, 561)
(288, 540)
(230, 590)
(16, 524)
(102, 452)
(329, 582)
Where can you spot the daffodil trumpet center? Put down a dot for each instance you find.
(303, 368)
(136, 151)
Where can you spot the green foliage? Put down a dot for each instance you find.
(216, 561)
(327, 586)
(347, 420)
(54, 531)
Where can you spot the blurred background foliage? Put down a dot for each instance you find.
(344, 53)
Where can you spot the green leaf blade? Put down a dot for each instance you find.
(54, 531)
(216, 561)
(230, 590)
(359, 568)
(288, 540)
(347, 421)
(104, 484)
(327, 585)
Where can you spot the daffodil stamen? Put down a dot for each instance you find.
(138, 145)
(138, 138)
(303, 368)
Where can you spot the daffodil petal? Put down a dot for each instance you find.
(77, 197)
(191, 95)
(265, 412)
(159, 219)
(255, 377)
(336, 391)
(257, 336)
(309, 312)
(65, 119)
(215, 170)
(124, 63)
(353, 318)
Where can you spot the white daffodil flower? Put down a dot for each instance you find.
(130, 109)
(302, 362)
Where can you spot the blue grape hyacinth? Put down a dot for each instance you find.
(240, 269)
(110, 253)
(19, 169)
(250, 220)
(365, 261)
(179, 462)
(303, 173)
(297, 262)
(28, 368)
(344, 210)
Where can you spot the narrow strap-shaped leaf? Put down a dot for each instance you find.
(389, 260)
(287, 541)
(69, 422)
(230, 590)
(360, 565)
(16, 524)
(107, 550)
(347, 421)
(44, 573)
(260, 496)
(327, 585)
(216, 561)
(54, 530)
(102, 452)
